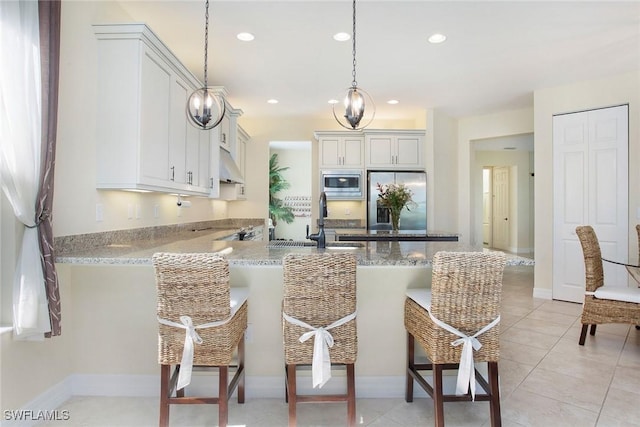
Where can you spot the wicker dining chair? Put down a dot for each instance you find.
(319, 292)
(603, 304)
(465, 298)
(193, 289)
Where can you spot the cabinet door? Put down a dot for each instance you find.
(381, 151)
(408, 152)
(330, 152)
(225, 132)
(192, 156)
(353, 152)
(178, 131)
(155, 81)
(204, 157)
(241, 160)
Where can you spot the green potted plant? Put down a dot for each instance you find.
(277, 183)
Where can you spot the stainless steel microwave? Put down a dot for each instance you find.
(342, 184)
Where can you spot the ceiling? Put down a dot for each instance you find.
(496, 53)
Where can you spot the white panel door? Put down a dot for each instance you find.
(501, 208)
(590, 188)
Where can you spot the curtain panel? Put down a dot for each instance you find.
(22, 132)
(49, 23)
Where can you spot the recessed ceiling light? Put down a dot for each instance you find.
(245, 37)
(272, 101)
(437, 38)
(392, 101)
(333, 101)
(341, 37)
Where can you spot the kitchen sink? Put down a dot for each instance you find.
(311, 244)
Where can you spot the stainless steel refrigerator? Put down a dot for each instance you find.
(378, 217)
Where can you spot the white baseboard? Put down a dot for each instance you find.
(542, 293)
(258, 387)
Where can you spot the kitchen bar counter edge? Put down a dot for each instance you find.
(256, 253)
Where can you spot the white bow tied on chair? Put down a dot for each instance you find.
(190, 337)
(323, 340)
(466, 370)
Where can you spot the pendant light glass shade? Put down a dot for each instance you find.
(205, 106)
(356, 99)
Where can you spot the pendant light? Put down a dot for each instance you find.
(205, 106)
(356, 99)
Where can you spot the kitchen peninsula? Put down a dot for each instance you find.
(113, 309)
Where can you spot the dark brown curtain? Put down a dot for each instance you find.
(49, 17)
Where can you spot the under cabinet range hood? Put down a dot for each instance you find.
(229, 171)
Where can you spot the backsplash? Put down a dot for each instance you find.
(343, 223)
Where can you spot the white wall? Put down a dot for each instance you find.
(571, 98)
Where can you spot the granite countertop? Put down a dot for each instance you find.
(256, 253)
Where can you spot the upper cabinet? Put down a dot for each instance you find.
(394, 149)
(237, 191)
(371, 149)
(340, 150)
(144, 139)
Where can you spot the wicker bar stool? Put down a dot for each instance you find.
(201, 323)
(602, 303)
(461, 312)
(319, 304)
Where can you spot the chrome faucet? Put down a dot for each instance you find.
(322, 214)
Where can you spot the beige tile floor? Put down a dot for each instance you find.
(546, 380)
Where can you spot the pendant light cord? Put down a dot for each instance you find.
(206, 40)
(353, 73)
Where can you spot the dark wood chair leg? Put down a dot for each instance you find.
(583, 334)
(223, 398)
(351, 395)
(241, 369)
(593, 330)
(165, 374)
(494, 403)
(291, 386)
(286, 385)
(438, 399)
(179, 392)
(411, 346)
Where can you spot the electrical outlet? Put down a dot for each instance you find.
(99, 212)
(138, 211)
(156, 211)
(248, 334)
(347, 211)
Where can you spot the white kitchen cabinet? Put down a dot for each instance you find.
(144, 140)
(340, 150)
(237, 191)
(225, 131)
(394, 149)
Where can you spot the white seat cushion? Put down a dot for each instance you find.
(237, 297)
(618, 293)
(422, 297)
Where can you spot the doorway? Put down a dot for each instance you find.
(502, 185)
(496, 208)
(296, 158)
